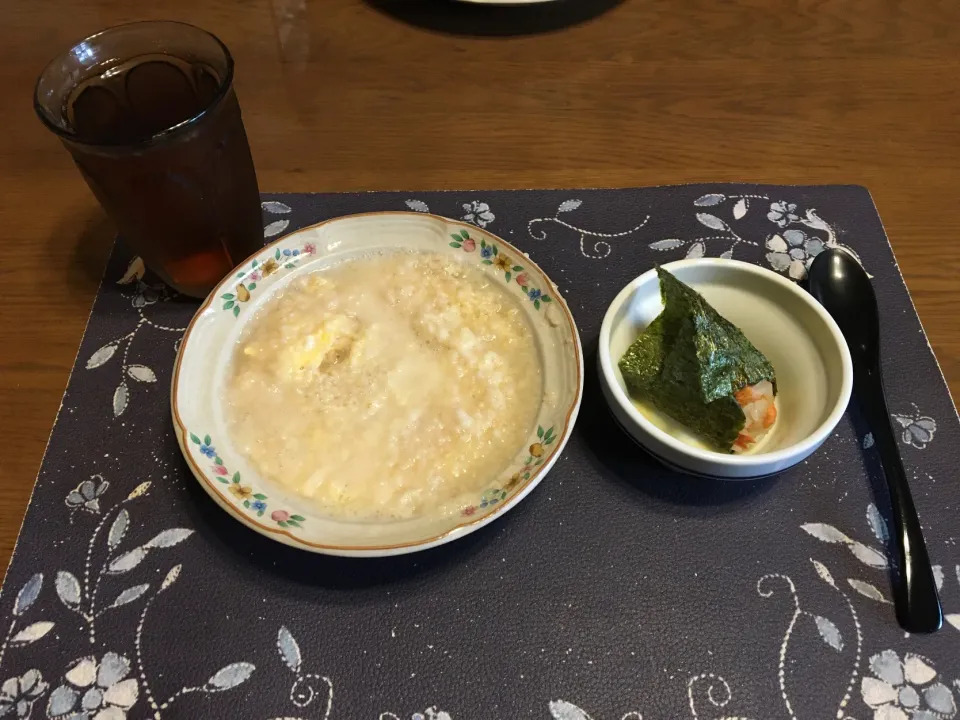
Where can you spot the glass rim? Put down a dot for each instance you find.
(65, 134)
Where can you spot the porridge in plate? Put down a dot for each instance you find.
(387, 386)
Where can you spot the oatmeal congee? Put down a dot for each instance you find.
(385, 387)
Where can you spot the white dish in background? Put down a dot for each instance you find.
(209, 342)
(802, 342)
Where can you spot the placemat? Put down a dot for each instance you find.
(617, 590)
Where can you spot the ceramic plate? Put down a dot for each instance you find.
(200, 373)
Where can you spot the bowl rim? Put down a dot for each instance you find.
(466, 524)
(800, 448)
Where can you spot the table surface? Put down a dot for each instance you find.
(427, 94)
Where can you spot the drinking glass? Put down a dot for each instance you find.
(149, 114)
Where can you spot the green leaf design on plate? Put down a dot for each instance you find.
(289, 266)
(495, 251)
(236, 310)
(464, 234)
(277, 254)
(507, 276)
(236, 477)
(246, 504)
(293, 523)
(260, 513)
(488, 262)
(194, 438)
(536, 304)
(540, 431)
(254, 263)
(483, 243)
(227, 296)
(455, 245)
(228, 304)
(517, 268)
(282, 523)
(298, 518)
(456, 236)
(206, 439)
(259, 496)
(217, 460)
(546, 298)
(252, 286)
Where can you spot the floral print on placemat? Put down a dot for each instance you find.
(796, 237)
(600, 247)
(890, 686)
(99, 685)
(143, 295)
(917, 429)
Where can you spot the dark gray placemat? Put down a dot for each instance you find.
(615, 589)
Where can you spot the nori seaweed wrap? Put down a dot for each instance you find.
(699, 369)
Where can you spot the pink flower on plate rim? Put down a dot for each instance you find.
(522, 279)
(220, 470)
(279, 516)
(309, 249)
(469, 245)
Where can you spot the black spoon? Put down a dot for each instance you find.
(841, 285)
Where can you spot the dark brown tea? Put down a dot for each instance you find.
(159, 139)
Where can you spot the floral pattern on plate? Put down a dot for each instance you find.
(490, 254)
(537, 451)
(245, 495)
(283, 258)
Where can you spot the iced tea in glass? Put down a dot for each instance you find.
(148, 112)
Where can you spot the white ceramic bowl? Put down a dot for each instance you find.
(804, 344)
(199, 375)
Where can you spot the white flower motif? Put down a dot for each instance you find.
(146, 294)
(18, 694)
(906, 690)
(783, 213)
(95, 691)
(793, 252)
(86, 495)
(918, 430)
(431, 714)
(478, 213)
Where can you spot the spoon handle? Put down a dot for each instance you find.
(917, 602)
